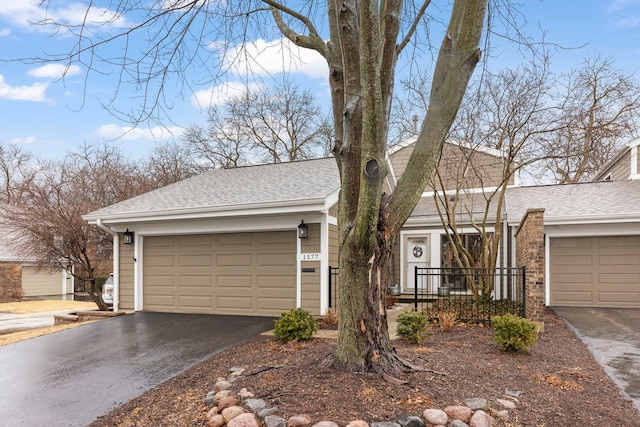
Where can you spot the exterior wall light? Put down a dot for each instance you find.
(303, 230)
(127, 237)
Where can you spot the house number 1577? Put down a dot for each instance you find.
(310, 257)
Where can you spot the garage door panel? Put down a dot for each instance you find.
(573, 260)
(243, 273)
(612, 279)
(199, 260)
(275, 260)
(234, 303)
(195, 281)
(197, 240)
(581, 296)
(160, 261)
(160, 242)
(280, 282)
(275, 305)
(234, 260)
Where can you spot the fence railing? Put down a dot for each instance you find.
(473, 294)
(440, 290)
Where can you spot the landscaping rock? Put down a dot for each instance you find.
(299, 421)
(222, 385)
(458, 423)
(385, 424)
(219, 395)
(266, 412)
(435, 417)
(358, 423)
(481, 419)
(411, 421)
(274, 421)
(244, 420)
(507, 404)
(255, 405)
(216, 421)
(245, 394)
(226, 402)
(477, 403)
(230, 413)
(325, 424)
(458, 412)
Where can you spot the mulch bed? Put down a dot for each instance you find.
(561, 383)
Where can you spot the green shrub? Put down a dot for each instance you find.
(295, 325)
(412, 326)
(514, 333)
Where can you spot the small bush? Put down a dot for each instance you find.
(514, 333)
(295, 325)
(447, 320)
(412, 326)
(330, 317)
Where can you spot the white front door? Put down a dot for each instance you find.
(417, 255)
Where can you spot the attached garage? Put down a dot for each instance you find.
(595, 271)
(228, 273)
(42, 282)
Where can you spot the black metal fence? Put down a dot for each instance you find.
(472, 294)
(459, 291)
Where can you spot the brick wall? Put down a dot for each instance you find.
(530, 253)
(10, 280)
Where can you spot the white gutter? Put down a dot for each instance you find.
(116, 262)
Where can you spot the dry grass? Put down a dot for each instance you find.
(25, 307)
(33, 333)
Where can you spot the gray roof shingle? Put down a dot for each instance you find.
(224, 189)
(603, 199)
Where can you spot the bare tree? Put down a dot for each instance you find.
(168, 163)
(17, 171)
(599, 106)
(363, 44)
(49, 219)
(262, 125)
(499, 128)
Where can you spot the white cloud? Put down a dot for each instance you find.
(54, 71)
(23, 140)
(23, 13)
(4, 32)
(34, 92)
(113, 131)
(277, 56)
(217, 95)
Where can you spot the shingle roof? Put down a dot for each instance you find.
(224, 189)
(591, 200)
(476, 202)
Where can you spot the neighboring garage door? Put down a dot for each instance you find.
(595, 271)
(241, 273)
(41, 282)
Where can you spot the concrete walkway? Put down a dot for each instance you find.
(613, 337)
(12, 322)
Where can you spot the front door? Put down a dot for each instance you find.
(417, 255)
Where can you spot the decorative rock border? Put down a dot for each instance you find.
(242, 409)
(84, 316)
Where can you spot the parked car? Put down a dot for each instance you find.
(107, 291)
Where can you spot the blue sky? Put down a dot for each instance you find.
(48, 115)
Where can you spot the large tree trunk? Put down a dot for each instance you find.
(368, 220)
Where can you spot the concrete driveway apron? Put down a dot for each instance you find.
(72, 377)
(613, 336)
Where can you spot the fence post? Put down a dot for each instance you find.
(415, 289)
(524, 292)
(330, 284)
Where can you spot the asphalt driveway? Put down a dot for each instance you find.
(72, 377)
(613, 336)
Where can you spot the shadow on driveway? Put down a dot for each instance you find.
(71, 377)
(613, 337)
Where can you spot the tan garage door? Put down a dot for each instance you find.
(41, 282)
(242, 273)
(595, 271)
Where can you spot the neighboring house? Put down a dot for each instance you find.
(20, 276)
(227, 241)
(623, 166)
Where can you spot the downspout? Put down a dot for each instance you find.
(116, 262)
